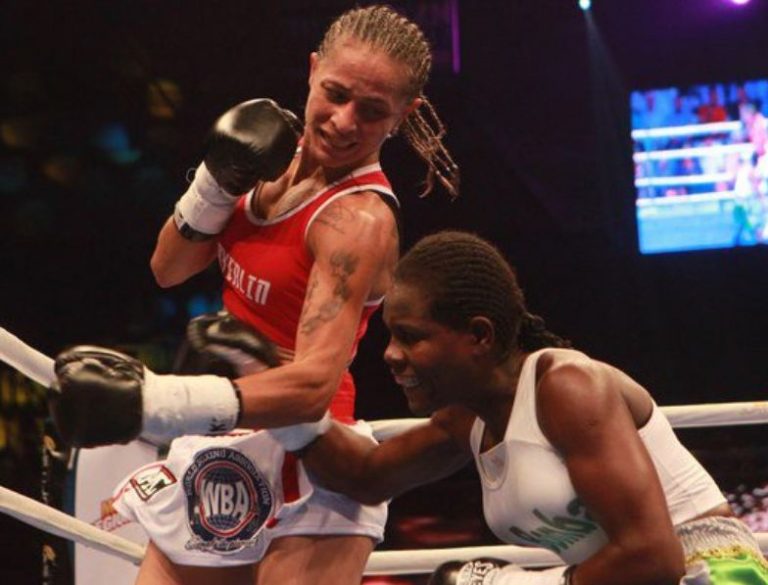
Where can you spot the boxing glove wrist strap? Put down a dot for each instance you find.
(296, 437)
(187, 405)
(204, 209)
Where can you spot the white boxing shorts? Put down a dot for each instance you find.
(220, 501)
(330, 513)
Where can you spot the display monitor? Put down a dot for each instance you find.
(701, 169)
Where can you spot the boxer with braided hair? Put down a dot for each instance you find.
(306, 239)
(391, 33)
(466, 280)
(573, 455)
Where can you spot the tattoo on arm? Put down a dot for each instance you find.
(336, 215)
(343, 266)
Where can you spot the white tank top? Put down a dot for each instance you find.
(528, 498)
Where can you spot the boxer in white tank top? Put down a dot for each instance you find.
(573, 454)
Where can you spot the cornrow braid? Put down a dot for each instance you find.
(402, 40)
(534, 334)
(382, 28)
(465, 276)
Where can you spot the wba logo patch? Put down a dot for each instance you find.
(150, 480)
(228, 501)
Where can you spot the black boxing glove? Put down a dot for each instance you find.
(253, 141)
(102, 397)
(227, 338)
(488, 571)
(97, 394)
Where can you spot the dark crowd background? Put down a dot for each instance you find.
(104, 108)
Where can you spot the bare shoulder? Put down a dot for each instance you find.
(354, 215)
(565, 371)
(573, 394)
(359, 234)
(578, 394)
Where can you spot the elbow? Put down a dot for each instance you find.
(671, 570)
(164, 282)
(670, 565)
(315, 410)
(659, 563)
(364, 491)
(665, 573)
(310, 406)
(316, 397)
(164, 277)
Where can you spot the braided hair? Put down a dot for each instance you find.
(465, 276)
(402, 40)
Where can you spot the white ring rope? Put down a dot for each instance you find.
(688, 130)
(56, 522)
(695, 151)
(677, 180)
(711, 197)
(681, 417)
(39, 367)
(405, 562)
(33, 364)
(413, 562)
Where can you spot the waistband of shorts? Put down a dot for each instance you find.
(718, 537)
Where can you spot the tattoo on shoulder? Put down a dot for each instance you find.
(319, 311)
(337, 216)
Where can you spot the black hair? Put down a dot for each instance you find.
(465, 276)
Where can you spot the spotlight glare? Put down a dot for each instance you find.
(585, 4)
(739, 2)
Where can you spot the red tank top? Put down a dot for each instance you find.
(266, 265)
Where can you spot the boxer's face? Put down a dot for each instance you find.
(356, 98)
(429, 361)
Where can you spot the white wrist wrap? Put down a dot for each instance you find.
(187, 405)
(296, 437)
(205, 206)
(516, 575)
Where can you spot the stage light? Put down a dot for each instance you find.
(585, 4)
(740, 2)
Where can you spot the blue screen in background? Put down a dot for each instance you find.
(701, 166)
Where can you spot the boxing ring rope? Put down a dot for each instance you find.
(409, 562)
(39, 368)
(51, 520)
(680, 417)
(687, 130)
(414, 562)
(33, 364)
(711, 197)
(406, 562)
(677, 180)
(694, 151)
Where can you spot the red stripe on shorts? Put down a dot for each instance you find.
(290, 478)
